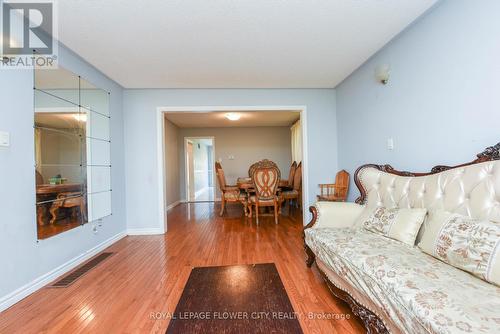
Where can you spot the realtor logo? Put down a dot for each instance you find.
(28, 34)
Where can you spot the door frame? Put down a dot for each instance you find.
(160, 143)
(186, 165)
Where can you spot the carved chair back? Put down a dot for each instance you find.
(217, 166)
(221, 178)
(265, 181)
(262, 163)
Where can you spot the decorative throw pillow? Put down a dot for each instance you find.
(398, 224)
(465, 243)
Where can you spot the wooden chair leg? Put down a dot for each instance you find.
(83, 212)
(245, 208)
(222, 206)
(257, 212)
(276, 212)
(40, 213)
(53, 212)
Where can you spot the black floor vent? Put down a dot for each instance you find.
(80, 271)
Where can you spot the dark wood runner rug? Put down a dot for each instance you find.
(234, 299)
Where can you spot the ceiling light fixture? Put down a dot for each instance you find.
(232, 116)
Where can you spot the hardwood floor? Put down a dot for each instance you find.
(133, 290)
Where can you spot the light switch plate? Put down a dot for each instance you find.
(4, 139)
(390, 143)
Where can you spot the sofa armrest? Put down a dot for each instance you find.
(334, 214)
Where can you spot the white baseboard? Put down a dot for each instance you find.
(38, 283)
(145, 231)
(173, 205)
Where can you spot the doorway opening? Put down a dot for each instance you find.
(199, 175)
(171, 134)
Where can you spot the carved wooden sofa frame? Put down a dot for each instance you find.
(371, 321)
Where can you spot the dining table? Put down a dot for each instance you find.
(246, 184)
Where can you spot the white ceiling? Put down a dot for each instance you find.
(217, 119)
(229, 43)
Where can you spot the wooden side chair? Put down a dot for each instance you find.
(291, 175)
(265, 180)
(229, 193)
(296, 193)
(335, 192)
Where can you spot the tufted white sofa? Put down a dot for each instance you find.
(397, 288)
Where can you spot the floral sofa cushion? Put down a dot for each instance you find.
(395, 223)
(418, 292)
(469, 244)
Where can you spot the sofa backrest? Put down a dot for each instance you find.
(471, 189)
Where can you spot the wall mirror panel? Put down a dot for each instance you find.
(72, 151)
(59, 82)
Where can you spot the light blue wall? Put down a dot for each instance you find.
(442, 102)
(22, 258)
(140, 108)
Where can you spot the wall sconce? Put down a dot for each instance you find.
(382, 73)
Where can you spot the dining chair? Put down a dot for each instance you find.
(218, 165)
(335, 192)
(296, 192)
(291, 175)
(265, 180)
(229, 193)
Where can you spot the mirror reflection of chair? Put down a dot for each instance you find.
(229, 193)
(335, 192)
(265, 179)
(295, 194)
(69, 200)
(38, 178)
